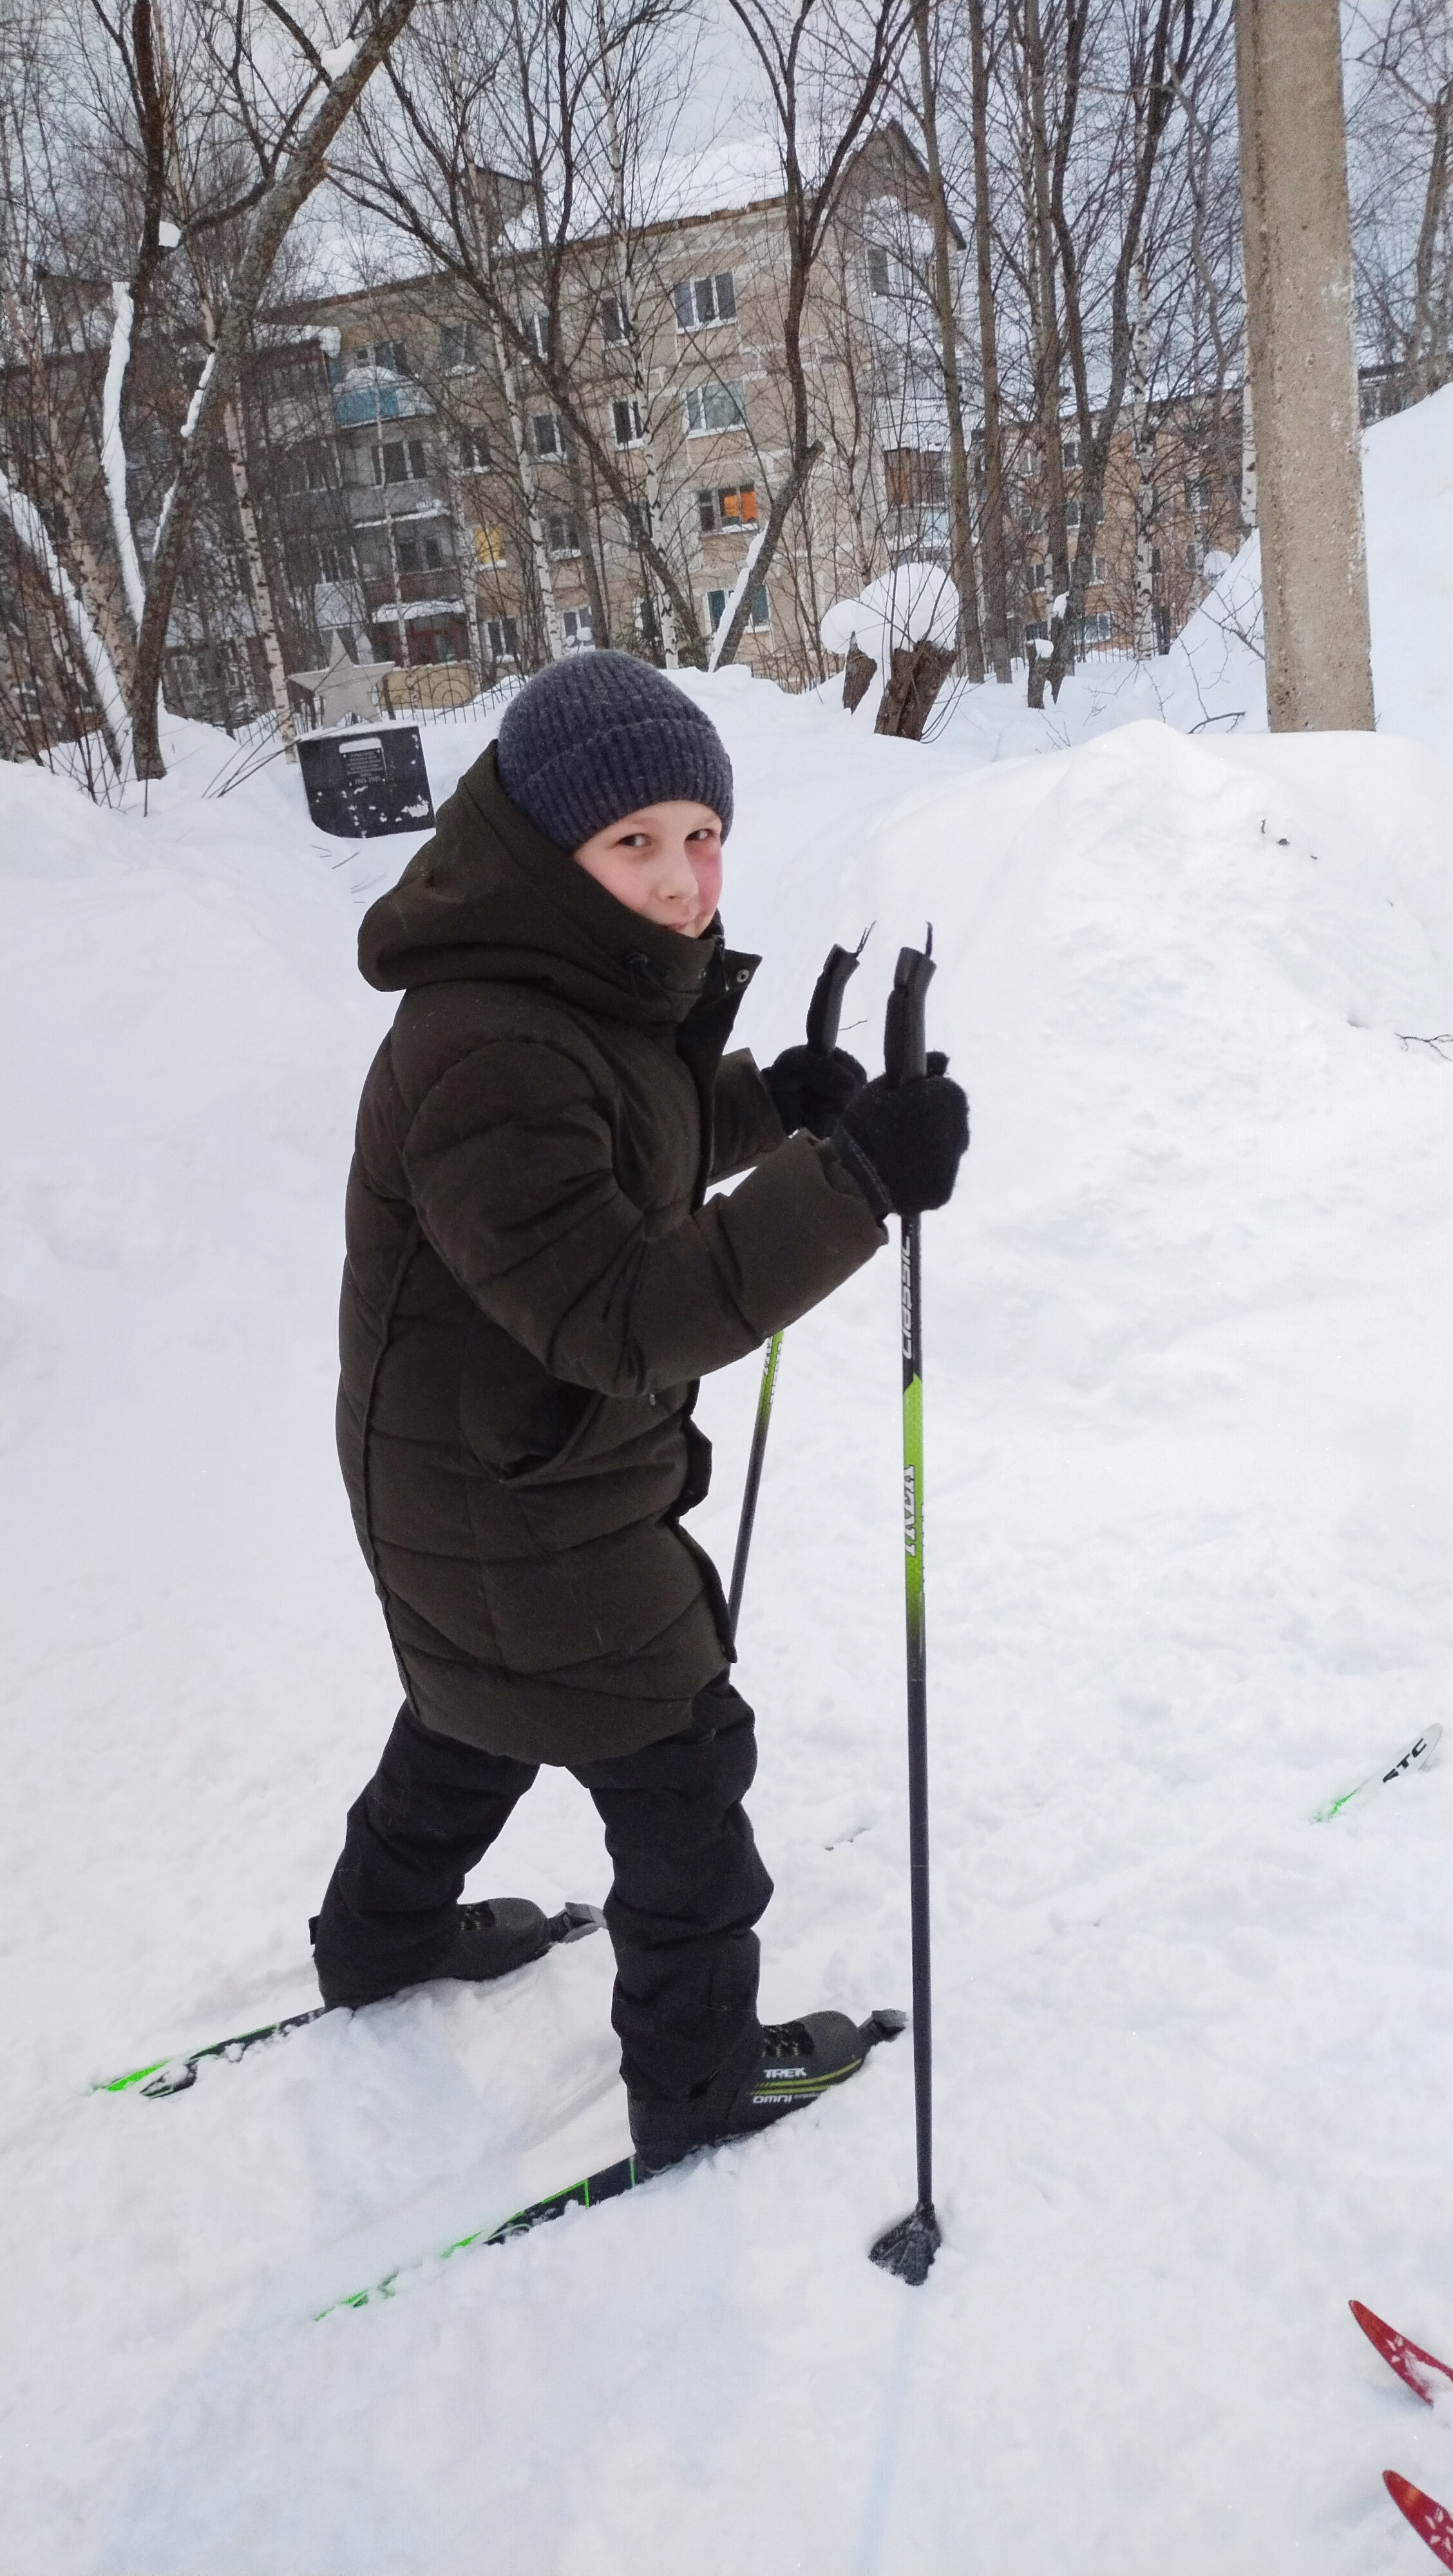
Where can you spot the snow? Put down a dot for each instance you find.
(1213, 679)
(912, 602)
(113, 447)
(1187, 1535)
(32, 532)
(736, 595)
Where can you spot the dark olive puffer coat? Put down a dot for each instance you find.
(533, 1286)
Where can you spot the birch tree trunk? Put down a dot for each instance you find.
(530, 488)
(1143, 622)
(262, 608)
(1049, 348)
(657, 604)
(991, 523)
(961, 532)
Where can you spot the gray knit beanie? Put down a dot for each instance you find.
(600, 734)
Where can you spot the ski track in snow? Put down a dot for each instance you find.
(1187, 1438)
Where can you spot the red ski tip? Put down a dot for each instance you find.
(1418, 2370)
(1430, 2520)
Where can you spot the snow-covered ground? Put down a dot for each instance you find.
(1188, 1434)
(1213, 679)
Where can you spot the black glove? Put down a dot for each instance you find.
(810, 1089)
(903, 1147)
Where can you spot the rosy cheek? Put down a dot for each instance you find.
(706, 866)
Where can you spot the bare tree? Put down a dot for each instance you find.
(992, 520)
(1400, 133)
(961, 533)
(826, 72)
(508, 152)
(278, 110)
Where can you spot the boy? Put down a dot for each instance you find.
(535, 1281)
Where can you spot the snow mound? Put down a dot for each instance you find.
(1213, 679)
(913, 601)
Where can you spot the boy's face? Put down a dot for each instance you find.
(663, 862)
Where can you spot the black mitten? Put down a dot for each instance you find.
(810, 1089)
(903, 1147)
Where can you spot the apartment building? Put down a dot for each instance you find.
(482, 527)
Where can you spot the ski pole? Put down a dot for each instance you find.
(824, 1012)
(909, 2247)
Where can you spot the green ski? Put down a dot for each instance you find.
(169, 2075)
(612, 2182)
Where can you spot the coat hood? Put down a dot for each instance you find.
(489, 899)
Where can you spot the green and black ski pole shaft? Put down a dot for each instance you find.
(909, 2247)
(824, 1014)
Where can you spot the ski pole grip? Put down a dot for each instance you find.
(825, 1010)
(905, 1033)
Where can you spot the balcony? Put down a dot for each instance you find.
(440, 584)
(372, 505)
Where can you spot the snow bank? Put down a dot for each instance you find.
(1213, 679)
(1187, 1428)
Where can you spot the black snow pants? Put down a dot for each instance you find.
(688, 1887)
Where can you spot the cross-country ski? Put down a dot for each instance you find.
(170, 2075)
(1420, 2371)
(553, 1387)
(1400, 1767)
(613, 2181)
(1430, 2520)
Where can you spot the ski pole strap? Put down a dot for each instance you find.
(905, 1033)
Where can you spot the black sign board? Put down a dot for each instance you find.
(363, 780)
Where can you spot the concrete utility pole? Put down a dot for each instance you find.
(1298, 253)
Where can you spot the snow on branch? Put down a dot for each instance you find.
(113, 450)
(33, 534)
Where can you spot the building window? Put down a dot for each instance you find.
(879, 280)
(1071, 451)
(400, 460)
(723, 513)
(712, 408)
(562, 537)
(489, 546)
(537, 331)
(473, 451)
(916, 478)
(640, 523)
(716, 601)
(456, 346)
(1036, 631)
(647, 620)
(1098, 629)
(549, 434)
(502, 639)
(579, 630)
(615, 320)
(1036, 576)
(627, 418)
(420, 554)
(390, 355)
(1198, 495)
(700, 301)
